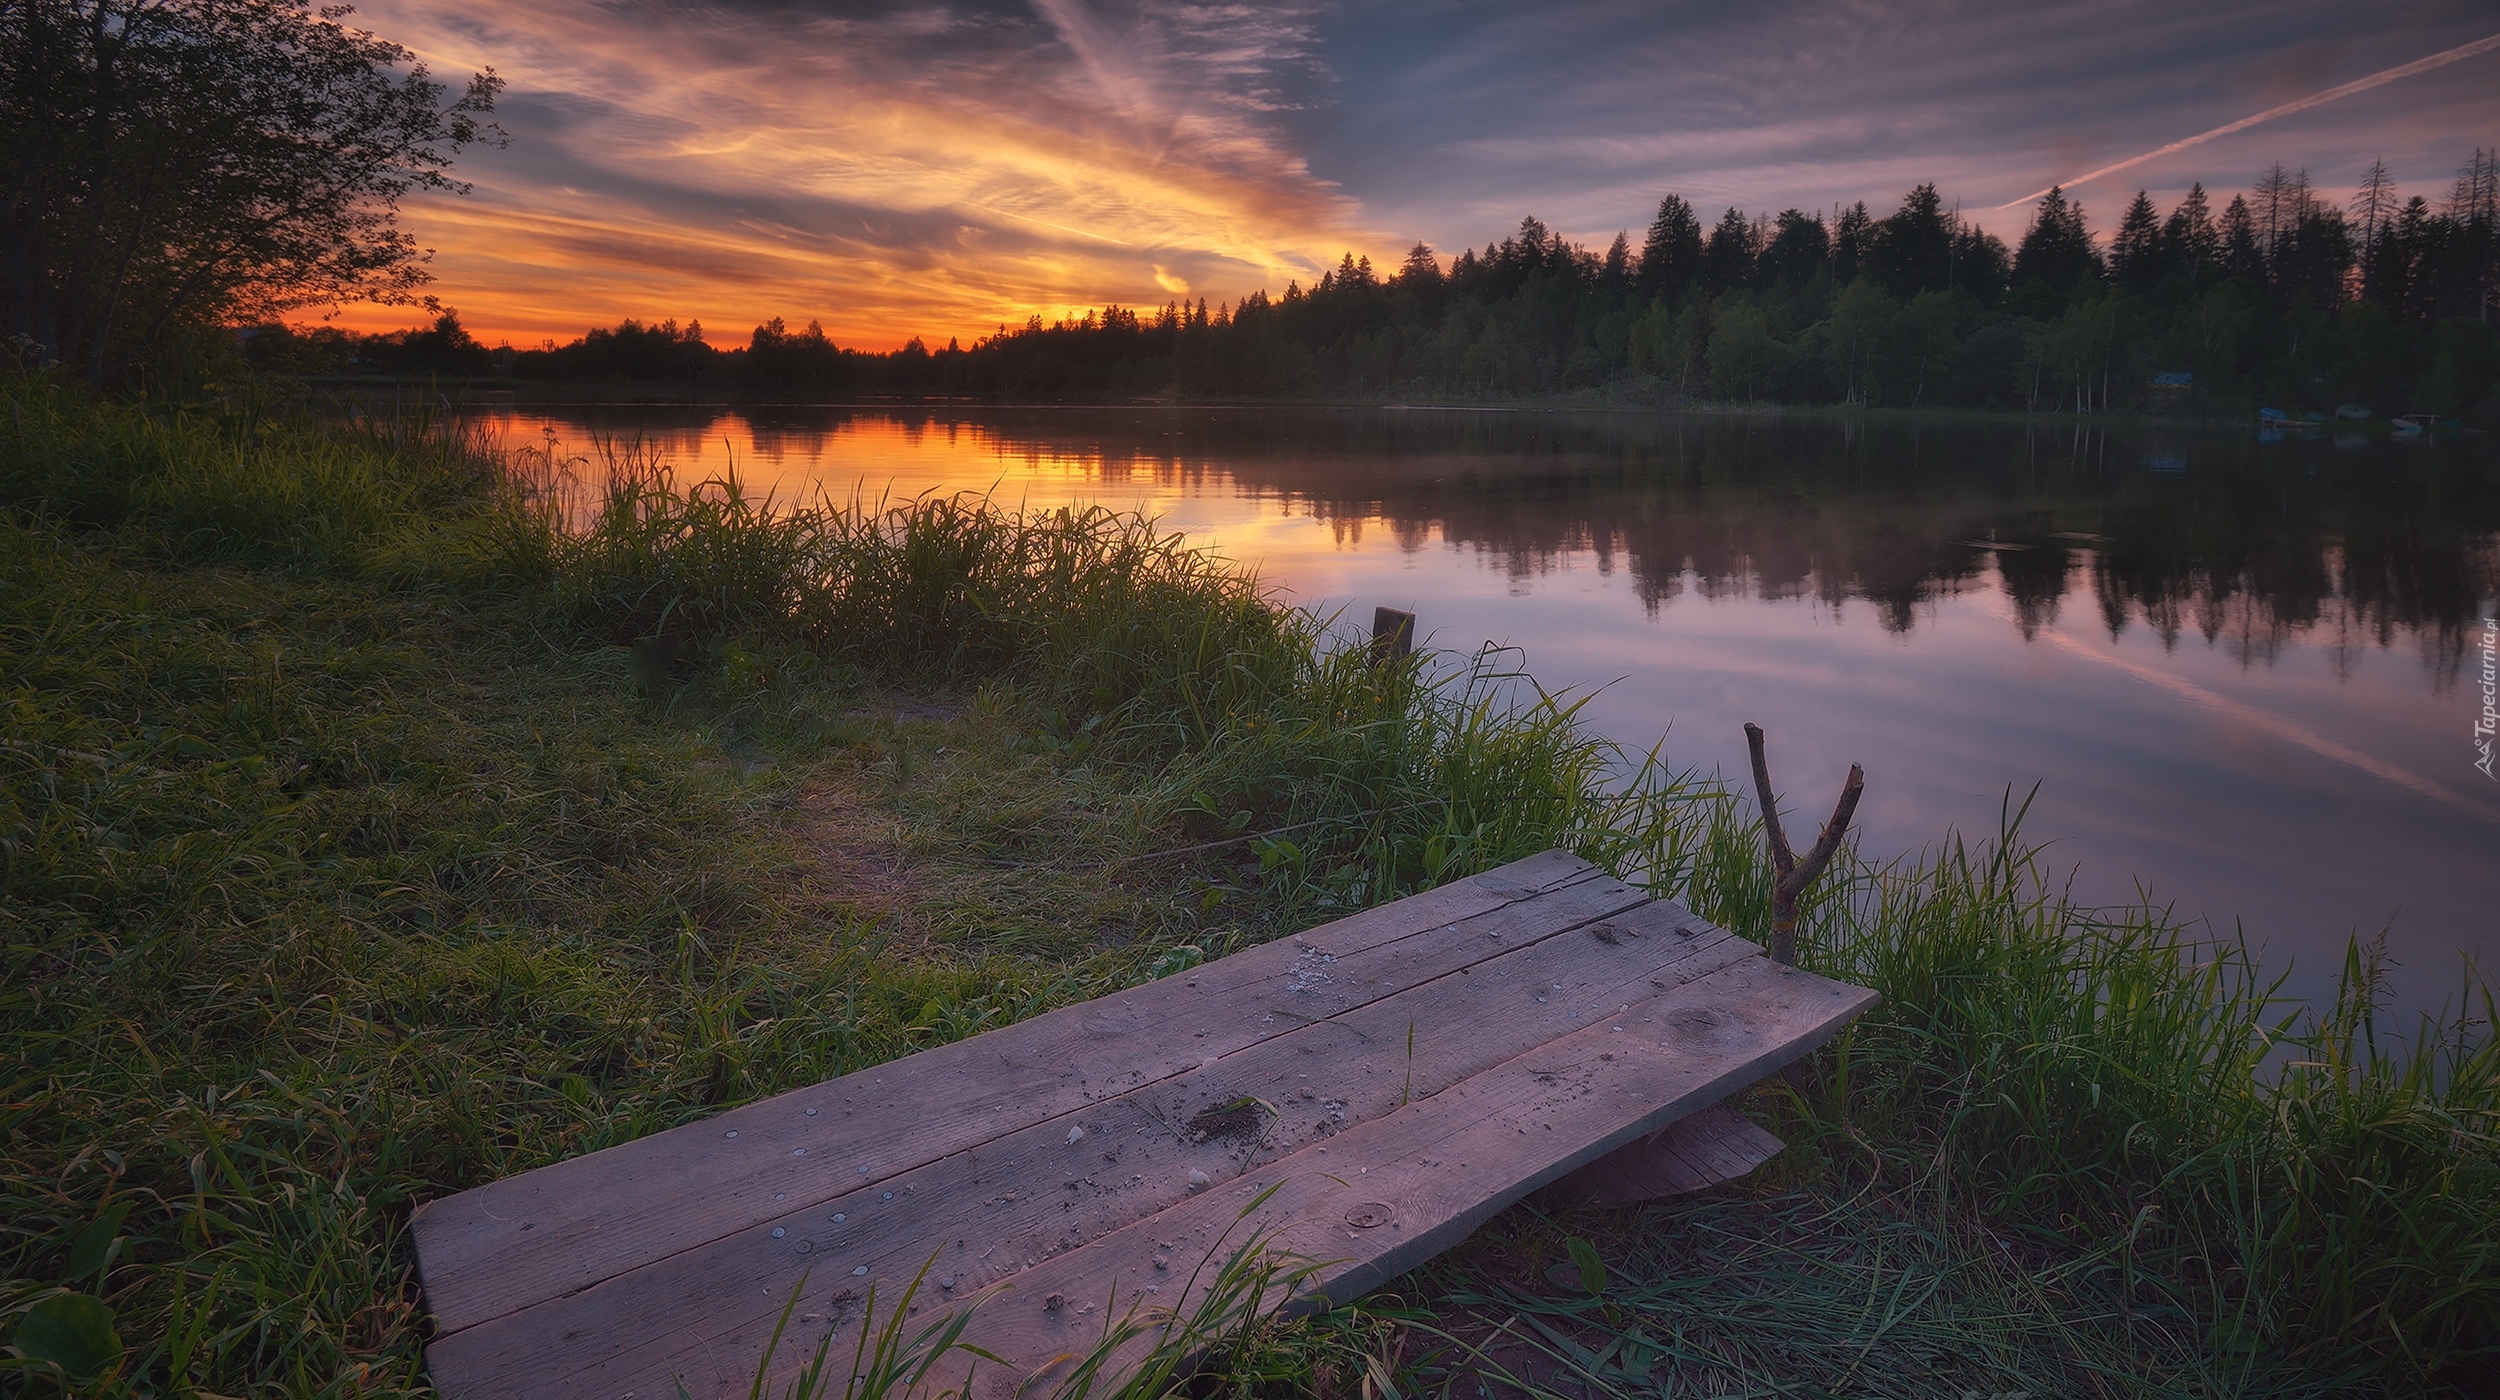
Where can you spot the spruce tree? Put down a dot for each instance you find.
(1913, 249)
(2135, 250)
(1799, 247)
(1729, 258)
(1671, 256)
(2058, 248)
(1421, 269)
(1616, 271)
(2189, 239)
(2239, 251)
(1852, 231)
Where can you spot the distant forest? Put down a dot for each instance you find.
(2283, 296)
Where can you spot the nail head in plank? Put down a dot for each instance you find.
(509, 1244)
(1447, 1163)
(645, 1327)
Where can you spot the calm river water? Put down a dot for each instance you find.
(2245, 675)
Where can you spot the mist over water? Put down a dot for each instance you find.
(2243, 673)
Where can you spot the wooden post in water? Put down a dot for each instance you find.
(1393, 634)
(1794, 874)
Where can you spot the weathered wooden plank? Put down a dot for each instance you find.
(1711, 1147)
(1429, 1173)
(994, 1210)
(505, 1246)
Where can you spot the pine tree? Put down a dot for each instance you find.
(1913, 249)
(1798, 249)
(2058, 248)
(2474, 230)
(2238, 248)
(1421, 269)
(2135, 250)
(1981, 264)
(1852, 230)
(1617, 269)
(2189, 239)
(2373, 206)
(2270, 209)
(1671, 255)
(1729, 258)
(2412, 246)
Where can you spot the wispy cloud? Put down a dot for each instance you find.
(890, 171)
(2378, 79)
(899, 169)
(1459, 118)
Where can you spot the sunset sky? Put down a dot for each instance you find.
(938, 170)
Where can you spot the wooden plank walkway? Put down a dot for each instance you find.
(1397, 1076)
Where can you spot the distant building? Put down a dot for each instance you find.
(2176, 380)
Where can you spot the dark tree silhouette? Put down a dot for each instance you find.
(2197, 315)
(2237, 247)
(1729, 258)
(1799, 248)
(2058, 249)
(2135, 251)
(1852, 233)
(1913, 249)
(205, 160)
(1671, 256)
(2190, 243)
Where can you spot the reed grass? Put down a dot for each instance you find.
(377, 820)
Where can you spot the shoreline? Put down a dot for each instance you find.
(594, 394)
(395, 834)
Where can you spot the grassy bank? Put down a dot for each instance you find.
(379, 820)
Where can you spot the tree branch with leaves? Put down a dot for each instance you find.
(209, 162)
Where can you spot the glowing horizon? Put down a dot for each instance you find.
(936, 171)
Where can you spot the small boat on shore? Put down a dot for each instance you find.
(2413, 425)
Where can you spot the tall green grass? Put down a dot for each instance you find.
(378, 820)
(1128, 646)
(2300, 1191)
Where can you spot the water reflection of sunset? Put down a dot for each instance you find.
(2254, 707)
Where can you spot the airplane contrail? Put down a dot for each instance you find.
(2251, 717)
(2406, 70)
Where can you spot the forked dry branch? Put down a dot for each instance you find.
(1794, 874)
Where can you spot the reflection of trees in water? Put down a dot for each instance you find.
(2249, 547)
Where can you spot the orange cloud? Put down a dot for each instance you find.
(926, 172)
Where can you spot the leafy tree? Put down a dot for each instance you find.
(1926, 341)
(1865, 319)
(444, 348)
(1746, 361)
(200, 161)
